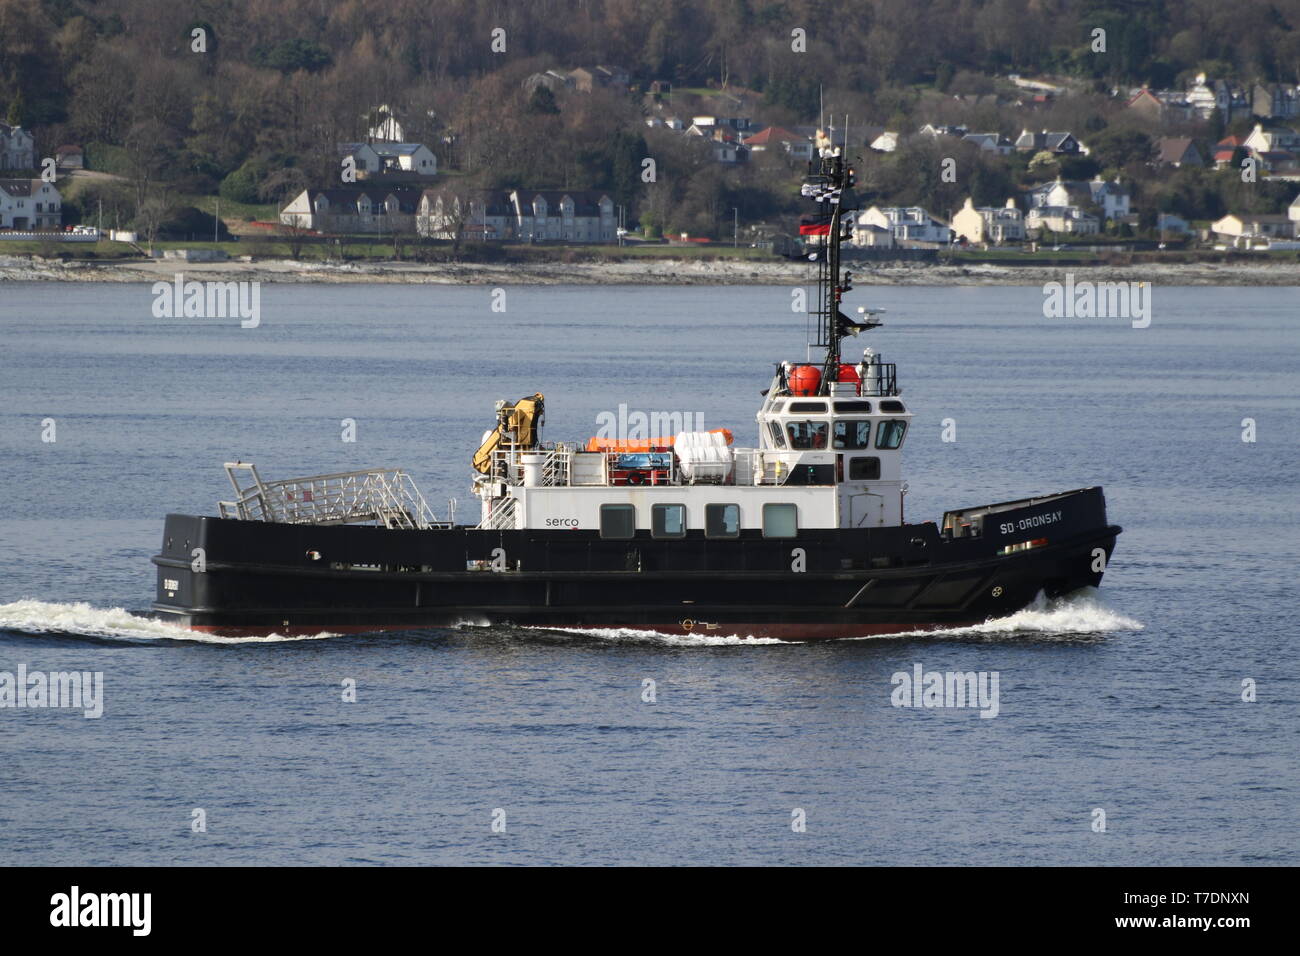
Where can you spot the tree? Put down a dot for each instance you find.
(295, 236)
(282, 185)
(542, 101)
(150, 214)
(1122, 147)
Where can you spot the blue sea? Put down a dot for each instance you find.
(477, 745)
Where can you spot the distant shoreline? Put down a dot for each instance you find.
(645, 272)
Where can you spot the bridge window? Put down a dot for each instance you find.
(667, 521)
(864, 469)
(892, 407)
(617, 521)
(722, 521)
(851, 434)
(806, 407)
(780, 521)
(890, 434)
(778, 439)
(853, 407)
(807, 434)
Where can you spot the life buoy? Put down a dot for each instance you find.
(635, 478)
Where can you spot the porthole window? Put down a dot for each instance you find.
(668, 521)
(722, 521)
(780, 521)
(617, 521)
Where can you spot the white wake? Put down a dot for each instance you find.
(83, 620)
(1081, 613)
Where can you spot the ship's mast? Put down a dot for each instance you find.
(830, 184)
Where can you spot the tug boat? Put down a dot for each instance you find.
(800, 537)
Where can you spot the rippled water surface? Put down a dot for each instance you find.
(1128, 699)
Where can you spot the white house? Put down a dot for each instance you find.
(530, 215)
(363, 155)
(872, 236)
(481, 215)
(995, 224)
(407, 158)
(575, 215)
(994, 143)
(777, 137)
(1270, 139)
(908, 224)
(1110, 197)
(1293, 211)
(29, 204)
(1065, 219)
(374, 207)
(886, 142)
(385, 125)
(17, 148)
(1061, 143)
(1255, 225)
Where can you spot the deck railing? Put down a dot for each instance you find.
(383, 496)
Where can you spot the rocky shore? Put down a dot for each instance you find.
(644, 272)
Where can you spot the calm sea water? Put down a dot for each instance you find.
(1127, 700)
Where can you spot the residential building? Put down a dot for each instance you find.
(407, 158)
(529, 215)
(480, 215)
(1275, 101)
(908, 224)
(989, 224)
(374, 207)
(1063, 144)
(1063, 219)
(991, 143)
(17, 148)
(599, 77)
(1111, 198)
(1225, 149)
(957, 132)
(27, 204)
(1177, 151)
(1293, 211)
(1267, 139)
(365, 160)
(1255, 226)
(553, 80)
(886, 142)
(776, 137)
(872, 236)
(1167, 223)
(383, 125)
(70, 157)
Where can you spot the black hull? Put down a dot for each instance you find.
(261, 578)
